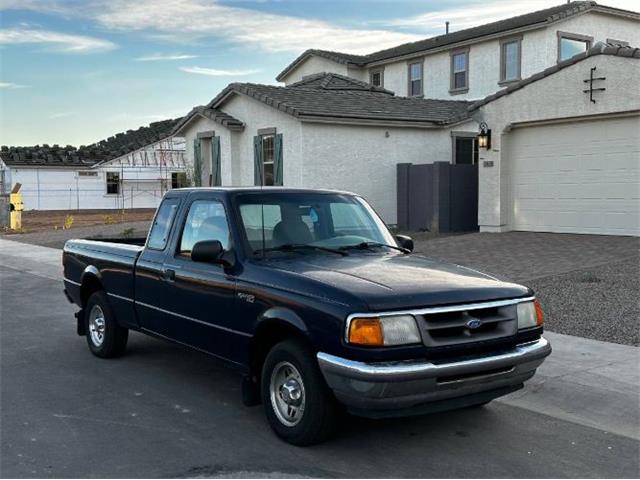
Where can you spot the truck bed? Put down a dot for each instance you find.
(112, 262)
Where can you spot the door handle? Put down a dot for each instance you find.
(168, 275)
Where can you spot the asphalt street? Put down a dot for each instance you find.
(164, 411)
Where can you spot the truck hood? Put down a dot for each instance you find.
(397, 281)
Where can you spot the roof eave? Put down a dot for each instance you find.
(380, 121)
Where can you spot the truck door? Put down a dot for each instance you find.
(149, 279)
(202, 296)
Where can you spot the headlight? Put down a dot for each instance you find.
(383, 331)
(530, 315)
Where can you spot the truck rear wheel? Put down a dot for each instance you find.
(105, 337)
(298, 404)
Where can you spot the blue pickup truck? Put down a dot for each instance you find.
(314, 301)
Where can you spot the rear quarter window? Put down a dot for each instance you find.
(162, 224)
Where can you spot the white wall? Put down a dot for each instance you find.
(539, 51)
(48, 188)
(557, 96)
(315, 64)
(363, 160)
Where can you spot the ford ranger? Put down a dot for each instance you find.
(314, 301)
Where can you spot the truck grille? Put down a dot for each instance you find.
(463, 327)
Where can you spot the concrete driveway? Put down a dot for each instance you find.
(163, 411)
(588, 284)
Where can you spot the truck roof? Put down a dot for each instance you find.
(258, 190)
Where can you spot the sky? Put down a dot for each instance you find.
(74, 72)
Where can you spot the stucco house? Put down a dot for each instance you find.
(555, 91)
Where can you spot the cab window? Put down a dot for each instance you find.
(162, 224)
(206, 220)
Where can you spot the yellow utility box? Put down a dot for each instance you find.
(15, 200)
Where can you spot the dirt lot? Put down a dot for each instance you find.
(42, 221)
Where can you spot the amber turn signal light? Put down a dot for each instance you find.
(366, 331)
(539, 314)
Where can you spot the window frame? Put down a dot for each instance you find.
(452, 88)
(572, 36)
(503, 60)
(264, 133)
(409, 80)
(617, 43)
(118, 183)
(379, 71)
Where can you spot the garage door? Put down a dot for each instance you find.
(582, 177)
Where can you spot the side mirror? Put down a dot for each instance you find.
(405, 242)
(208, 251)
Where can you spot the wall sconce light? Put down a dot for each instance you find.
(484, 137)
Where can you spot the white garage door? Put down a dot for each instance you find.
(579, 177)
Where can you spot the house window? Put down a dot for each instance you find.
(376, 78)
(178, 180)
(459, 71)
(415, 79)
(570, 44)
(113, 183)
(268, 156)
(618, 43)
(86, 174)
(510, 60)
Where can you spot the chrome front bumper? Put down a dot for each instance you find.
(415, 386)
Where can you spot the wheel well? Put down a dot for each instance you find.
(265, 338)
(90, 285)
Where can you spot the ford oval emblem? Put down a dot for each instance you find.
(473, 324)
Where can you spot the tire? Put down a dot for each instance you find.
(105, 337)
(316, 417)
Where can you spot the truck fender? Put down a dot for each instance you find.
(284, 316)
(272, 326)
(91, 270)
(90, 281)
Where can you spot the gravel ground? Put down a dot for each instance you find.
(56, 238)
(600, 303)
(589, 285)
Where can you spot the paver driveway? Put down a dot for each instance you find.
(522, 256)
(588, 284)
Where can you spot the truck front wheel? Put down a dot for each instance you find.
(299, 406)
(105, 337)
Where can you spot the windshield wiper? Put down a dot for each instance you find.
(292, 247)
(369, 245)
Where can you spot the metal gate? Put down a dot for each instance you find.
(437, 197)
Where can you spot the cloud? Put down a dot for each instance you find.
(271, 32)
(11, 85)
(160, 57)
(478, 13)
(54, 116)
(62, 42)
(214, 72)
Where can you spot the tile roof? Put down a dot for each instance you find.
(599, 48)
(335, 81)
(354, 106)
(217, 116)
(532, 19)
(86, 156)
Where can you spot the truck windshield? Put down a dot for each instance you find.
(300, 221)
